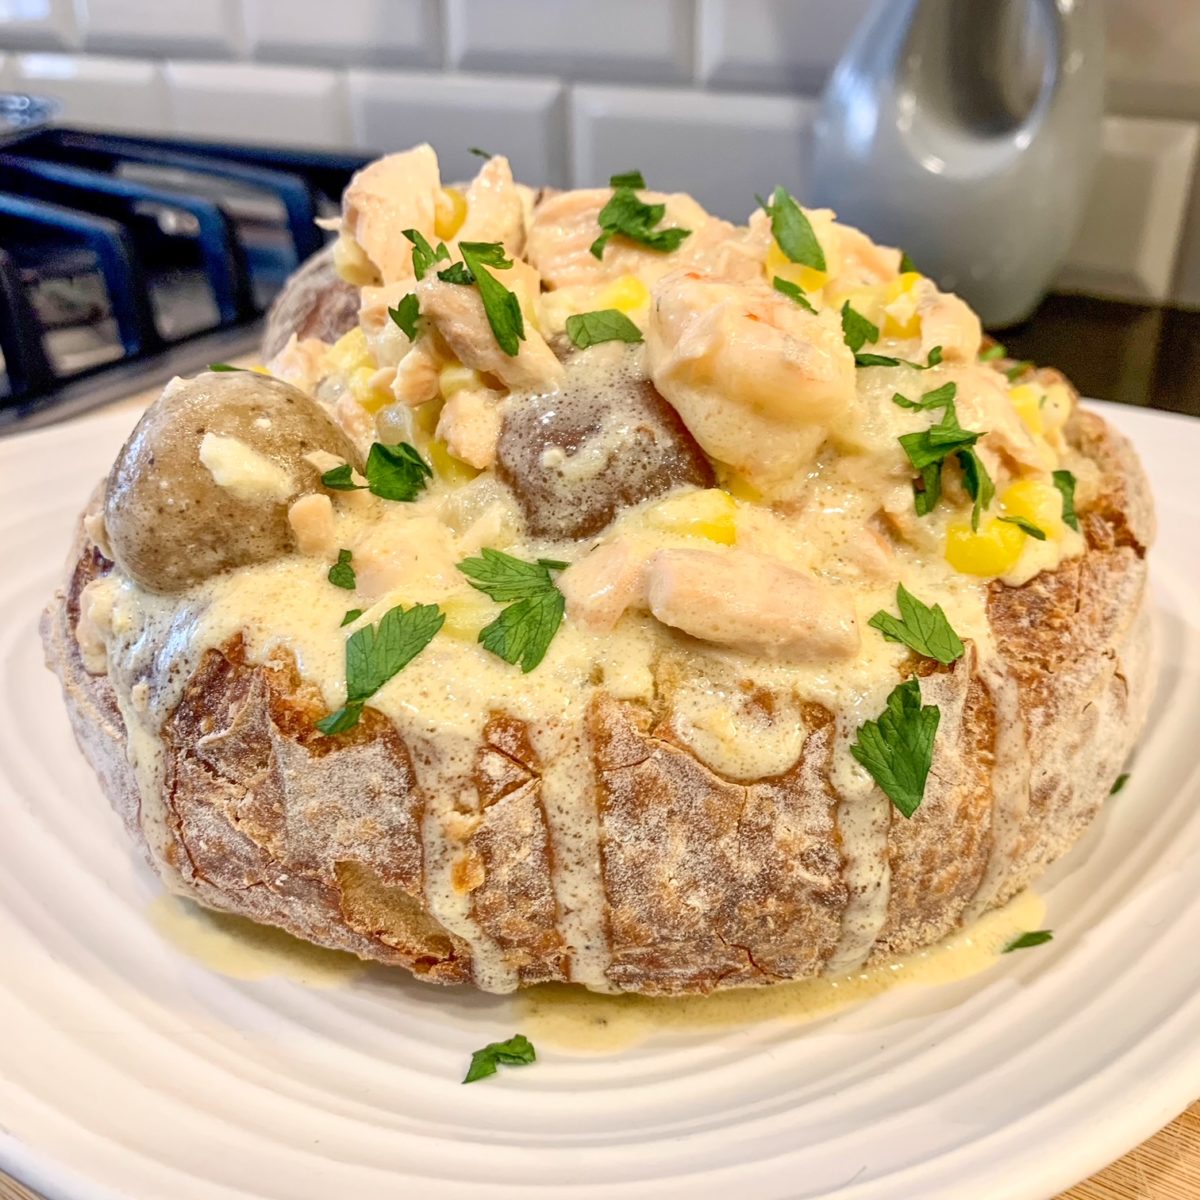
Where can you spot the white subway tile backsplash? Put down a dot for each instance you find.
(722, 149)
(374, 32)
(37, 25)
(1127, 244)
(1154, 57)
(646, 41)
(773, 43)
(294, 106)
(520, 118)
(197, 29)
(101, 93)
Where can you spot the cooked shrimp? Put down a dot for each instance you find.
(604, 583)
(862, 263)
(752, 604)
(946, 321)
(469, 424)
(754, 376)
(386, 197)
(459, 315)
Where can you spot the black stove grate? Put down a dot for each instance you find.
(114, 249)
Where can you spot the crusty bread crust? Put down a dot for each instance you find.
(708, 882)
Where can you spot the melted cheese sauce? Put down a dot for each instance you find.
(566, 1018)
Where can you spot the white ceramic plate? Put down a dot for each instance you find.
(129, 1069)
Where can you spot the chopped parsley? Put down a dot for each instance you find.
(523, 631)
(897, 748)
(634, 219)
(1065, 482)
(405, 315)
(1026, 526)
(457, 273)
(1015, 372)
(1119, 783)
(392, 472)
(352, 615)
(424, 255)
(374, 654)
(341, 574)
(793, 231)
(229, 367)
(936, 398)
(856, 329)
(501, 306)
(603, 325)
(516, 1052)
(1035, 937)
(475, 150)
(885, 360)
(978, 483)
(906, 263)
(993, 352)
(923, 629)
(793, 291)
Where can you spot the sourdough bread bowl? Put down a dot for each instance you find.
(628, 598)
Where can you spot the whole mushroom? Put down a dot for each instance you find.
(204, 482)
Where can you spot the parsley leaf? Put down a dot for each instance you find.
(884, 360)
(340, 479)
(793, 291)
(627, 179)
(374, 654)
(1120, 782)
(522, 633)
(228, 367)
(1015, 372)
(475, 150)
(856, 329)
(992, 353)
(792, 230)
(604, 325)
(1065, 482)
(457, 273)
(935, 357)
(396, 472)
(897, 747)
(352, 614)
(424, 255)
(501, 306)
(935, 445)
(634, 219)
(1036, 937)
(906, 263)
(405, 315)
(923, 629)
(1026, 526)
(341, 574)
(978, 483)
(516, 1052)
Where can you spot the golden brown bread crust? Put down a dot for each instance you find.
(707, 882)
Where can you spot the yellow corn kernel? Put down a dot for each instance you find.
(1056, 408)
(710, 514)
(624, 294)
(904, 322)
(457, 378)
(445, 466)
(1038, 502)
(425, 419)
(362, 386)
(350, 261)
(992, 550)
(349, 351)
(1027, 400)
(466, 614)
(808, 279)
(449, 212)
(737, 485)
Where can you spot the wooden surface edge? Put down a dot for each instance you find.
(1167, 1167)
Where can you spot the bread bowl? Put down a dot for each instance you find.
(616, 704)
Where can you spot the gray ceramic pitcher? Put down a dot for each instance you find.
(966, 131)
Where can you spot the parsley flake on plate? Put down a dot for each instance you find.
(1035, 937)
(518, 1051)
(393, 473)
(523, 631)
(897, 747)
(632, 218)
(1065, 482)
(603, 325)
(793, 291)
(1119, 783)
(341, 574)
(1025, 525)
(923, 629)
(405, 315)
(792, 230)
(374, 654)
